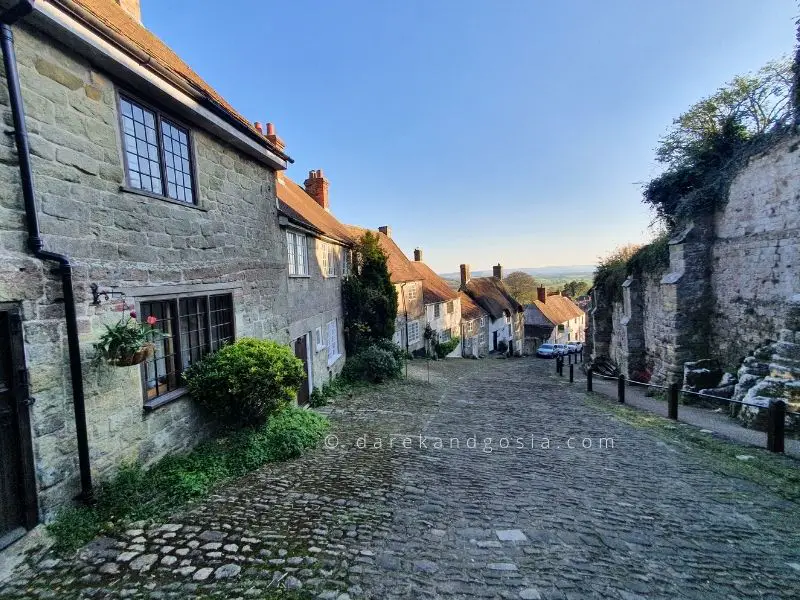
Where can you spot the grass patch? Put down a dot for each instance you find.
(136, 493)
(777, 473)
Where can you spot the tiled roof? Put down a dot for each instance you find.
(299, 206)
(112, 16)
(469, 310)
(491, 294)
(400, 267)
(558, 309)
(434, 288)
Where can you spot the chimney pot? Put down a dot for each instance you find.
(317, 187)
(465, 275)
(418, 254)
(385, 230)
(273, 138)
(258, 126)
(541, 293)
(497, 271)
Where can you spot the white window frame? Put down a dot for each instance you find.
(333, 342)
(296, 244)
(412, 291)
(330, 270)
(469, 327)
(319, 339)
(437, 311)
(414, 334)
(483, 321)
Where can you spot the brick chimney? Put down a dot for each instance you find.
(465, 275)
(316, 186)
(497, 271)
(274, 139)
(541, 293)
(132, 8)
(385, 230)
(418, 254)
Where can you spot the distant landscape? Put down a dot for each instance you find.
(550, 277)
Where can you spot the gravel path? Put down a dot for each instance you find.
(469, 515)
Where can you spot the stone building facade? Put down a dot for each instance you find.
(209, 260)
(442, 305)
(318, 249)
(729, 284)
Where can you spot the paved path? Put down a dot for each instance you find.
(718, 422)
(643, 519)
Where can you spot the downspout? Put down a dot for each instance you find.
(35, 243)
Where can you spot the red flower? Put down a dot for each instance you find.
(133, 314)
(151, 320)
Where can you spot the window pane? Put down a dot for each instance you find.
(161, 371)
(221, 320)
(176, 156)
(142, 150)
(194, 330)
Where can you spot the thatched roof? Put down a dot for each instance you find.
(470, 310)
(491, 294)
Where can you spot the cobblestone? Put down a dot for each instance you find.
(480, 519)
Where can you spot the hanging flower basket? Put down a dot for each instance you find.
(128, 342)
(136, 358)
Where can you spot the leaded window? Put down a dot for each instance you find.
(192, 326)
(157, 151)
(296, 243)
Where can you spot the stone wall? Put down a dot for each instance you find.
(729, 281)
(315, 300)
(127, 241)
(756, 253)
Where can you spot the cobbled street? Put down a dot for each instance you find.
(644, 519)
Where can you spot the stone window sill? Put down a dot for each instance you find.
(146, 194)
(165, 399)
(299, 276)
(332, 360)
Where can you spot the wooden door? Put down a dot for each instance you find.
(18, 510)
(301, 352)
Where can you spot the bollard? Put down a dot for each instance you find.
(672, 409)
(558, 368)
(621, 389)
(589, 380)
(571, 374)
(569, 358)
(561, 366)
(775, 425)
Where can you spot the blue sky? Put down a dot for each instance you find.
(511, 131)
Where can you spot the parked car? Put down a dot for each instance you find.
(575, 346)
(546, 351)
(560, 349)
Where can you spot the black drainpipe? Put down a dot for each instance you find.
(35, 243)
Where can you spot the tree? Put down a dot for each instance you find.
(522, 286)
(368, 295)
(576, 288)
(756, 102)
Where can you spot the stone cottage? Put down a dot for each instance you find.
(506, 322)
(474, 328)
(442, 304)
(318, 248)
(410, 324)
(143, 190)
(553, 318)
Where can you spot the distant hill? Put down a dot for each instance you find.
(569, 272)
(553, 278)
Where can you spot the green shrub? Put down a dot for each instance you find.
(135, 493)
(321, 396)
(373, 364)
(245, 382)
(442, 349)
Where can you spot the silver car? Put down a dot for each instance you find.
(560, 349)
(546, 351)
